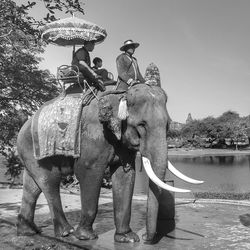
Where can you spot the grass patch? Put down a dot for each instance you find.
(225, 196)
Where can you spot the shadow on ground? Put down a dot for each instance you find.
(196, 226)
(14, 206)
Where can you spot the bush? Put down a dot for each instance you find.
(224, 196)
(14, 165)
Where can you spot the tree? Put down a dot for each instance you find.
(228, 116)
(231, 127)
(23, 86)
(248, 133)
(240, 131)
(228, 126)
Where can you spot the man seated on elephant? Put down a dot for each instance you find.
(99, 70)
(81, 59)
(127, 66)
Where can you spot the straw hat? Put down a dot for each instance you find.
(129, 43)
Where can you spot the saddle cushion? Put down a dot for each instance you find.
(56, 127)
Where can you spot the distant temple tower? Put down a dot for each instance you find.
(189, 118)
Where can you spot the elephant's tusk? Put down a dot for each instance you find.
(157, 181)
(177, 173)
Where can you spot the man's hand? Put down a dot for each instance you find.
(98, 77)
(100, 85)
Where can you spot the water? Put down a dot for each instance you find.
(220, 173)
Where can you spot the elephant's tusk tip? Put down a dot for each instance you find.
(157, 181)
(185, 191)
(180, 175)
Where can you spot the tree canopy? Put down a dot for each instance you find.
(23, 86)
(212, 131)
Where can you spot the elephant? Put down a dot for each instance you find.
(115, 130)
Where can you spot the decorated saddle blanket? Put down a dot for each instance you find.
(56, 127)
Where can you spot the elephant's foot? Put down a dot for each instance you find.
(26, 227)
(126, 237)
(148, 238)
(85, 234)
(63, 230)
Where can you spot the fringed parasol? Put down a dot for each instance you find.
(72, 31)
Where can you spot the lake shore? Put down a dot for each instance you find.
(206, 152)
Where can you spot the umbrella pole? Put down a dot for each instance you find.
(74, 48)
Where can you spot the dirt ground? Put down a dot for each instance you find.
(10, 200)
(200, 224)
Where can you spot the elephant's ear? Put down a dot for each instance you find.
(108, 113)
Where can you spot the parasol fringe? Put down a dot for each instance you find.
(72, 31)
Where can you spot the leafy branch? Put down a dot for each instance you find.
(23, 86)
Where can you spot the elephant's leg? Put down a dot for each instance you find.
(90, 179)
(123, 186)
(49, 181)
(25, 218)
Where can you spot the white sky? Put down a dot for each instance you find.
(202, 48)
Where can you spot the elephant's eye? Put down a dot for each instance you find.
(142, 123)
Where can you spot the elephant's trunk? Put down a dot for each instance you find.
(156, 174)
(152, 211)
(157, 156)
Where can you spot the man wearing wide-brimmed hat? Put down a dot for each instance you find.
(127, 66)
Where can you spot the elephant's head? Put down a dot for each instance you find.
(143, 120)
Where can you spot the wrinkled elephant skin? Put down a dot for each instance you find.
(143, 131)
